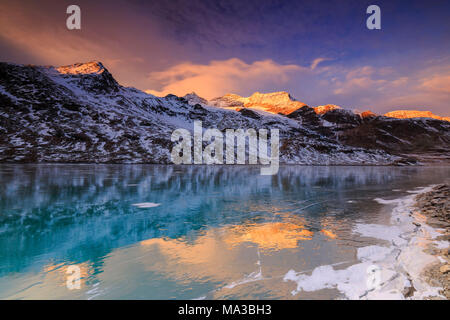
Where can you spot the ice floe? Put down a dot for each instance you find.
(144, 205)
(441, 244)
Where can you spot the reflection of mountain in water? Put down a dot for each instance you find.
(83, 212)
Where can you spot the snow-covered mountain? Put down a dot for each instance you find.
(402, 133)
(79, 113)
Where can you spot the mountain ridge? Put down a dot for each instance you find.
(82, 114)
(273, 102)
(284, 103)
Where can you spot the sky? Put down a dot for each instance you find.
(321, 52)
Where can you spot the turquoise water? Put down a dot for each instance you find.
(217, 232)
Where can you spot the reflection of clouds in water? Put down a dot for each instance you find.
(330, 225)
(207, 250)
(215, 250)
(61, 272)
(269, 236)
(329, 233)
(207, 258)
(213, 255)
(49, 283)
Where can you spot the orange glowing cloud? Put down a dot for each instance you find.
(269, 236)
(358, 79)
(439, 83)
(35, 32)
(222, 76)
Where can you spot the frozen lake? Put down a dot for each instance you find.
(187, 232)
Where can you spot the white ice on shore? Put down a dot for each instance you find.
(388, 233)
(373, 253)
(441, 244)
(383, 201)
(399, 265)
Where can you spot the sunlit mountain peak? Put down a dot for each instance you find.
(406, 114)
(193, 98)
(367, 114)
(92, 67)
(325, 108)
(273, 102)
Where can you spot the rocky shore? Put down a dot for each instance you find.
(435, 207)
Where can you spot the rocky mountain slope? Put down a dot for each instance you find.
(79, 113)
(406, 133)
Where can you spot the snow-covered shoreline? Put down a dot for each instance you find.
(393, 271)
